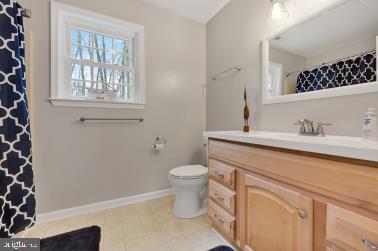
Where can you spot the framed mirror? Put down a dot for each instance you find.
(332, 54)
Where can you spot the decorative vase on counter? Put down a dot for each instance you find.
(246, 112)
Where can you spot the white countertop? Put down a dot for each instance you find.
(351, 147)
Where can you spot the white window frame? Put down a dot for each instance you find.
(276, 89)
(63, 18)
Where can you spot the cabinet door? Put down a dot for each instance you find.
(348, 231)
(276, 217)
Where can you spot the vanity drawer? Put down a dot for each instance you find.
(348, 231)
(222, 219)
(222, 173)
(336, 245)
(222, 195)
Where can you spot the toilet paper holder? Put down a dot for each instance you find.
(159, 143)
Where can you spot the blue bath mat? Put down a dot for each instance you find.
(86, 239)
(222, 248)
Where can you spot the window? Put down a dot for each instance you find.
(274, 79)
(101, 63)
(97, 61)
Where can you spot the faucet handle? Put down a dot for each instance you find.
(301, 123)
(320, 129)
(308, 126)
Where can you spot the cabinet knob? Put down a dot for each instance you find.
(372, 246)
(219, 174)
(302, 214)
(218, 219)
(220, 198)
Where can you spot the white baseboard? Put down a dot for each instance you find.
(69, 212)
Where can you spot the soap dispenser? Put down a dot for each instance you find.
(369, 129)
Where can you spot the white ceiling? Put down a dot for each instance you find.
(198, 10)
(352, 21)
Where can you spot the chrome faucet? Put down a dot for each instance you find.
(307, 128)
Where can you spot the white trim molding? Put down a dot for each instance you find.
(326, 93)
(69, 212)
(63, 18)
(88, 103)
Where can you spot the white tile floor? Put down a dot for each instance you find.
(145, 226)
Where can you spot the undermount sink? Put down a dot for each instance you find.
(330, 139)
(345, 146)
(295, 137)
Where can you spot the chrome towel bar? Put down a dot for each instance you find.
(237, 68)
(83, 119)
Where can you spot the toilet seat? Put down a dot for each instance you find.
(189, 172)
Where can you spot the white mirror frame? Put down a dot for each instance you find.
(326, 93)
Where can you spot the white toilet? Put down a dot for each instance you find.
(190, 185)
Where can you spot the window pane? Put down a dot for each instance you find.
(103, 42)
(74, 39)
(103, 86)
(79, 37)
(103, 56)
(122, 59)
(121, 77)
(81, 72)
(122, 46)
(78, 88)
(81, 53)
(123, 91)
(88, 85)
(103, 75)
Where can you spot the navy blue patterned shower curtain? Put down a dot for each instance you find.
(17, 194)
(353, 71)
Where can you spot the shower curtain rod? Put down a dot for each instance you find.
(237, 68)
(329, 62)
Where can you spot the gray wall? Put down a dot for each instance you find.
(343, 50)
(233, 37)
(290, 63)
(78, 164)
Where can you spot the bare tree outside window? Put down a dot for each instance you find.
(100, 62)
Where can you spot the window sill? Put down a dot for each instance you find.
(87, 103)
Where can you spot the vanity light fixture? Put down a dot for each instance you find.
(277, 10)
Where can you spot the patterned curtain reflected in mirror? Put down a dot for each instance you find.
(350, 71)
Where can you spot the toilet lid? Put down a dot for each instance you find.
(189, 171)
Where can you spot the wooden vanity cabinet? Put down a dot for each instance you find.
(268, 199)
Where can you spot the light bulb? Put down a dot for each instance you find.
(276, 11)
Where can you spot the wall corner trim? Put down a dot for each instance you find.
(89, 208)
